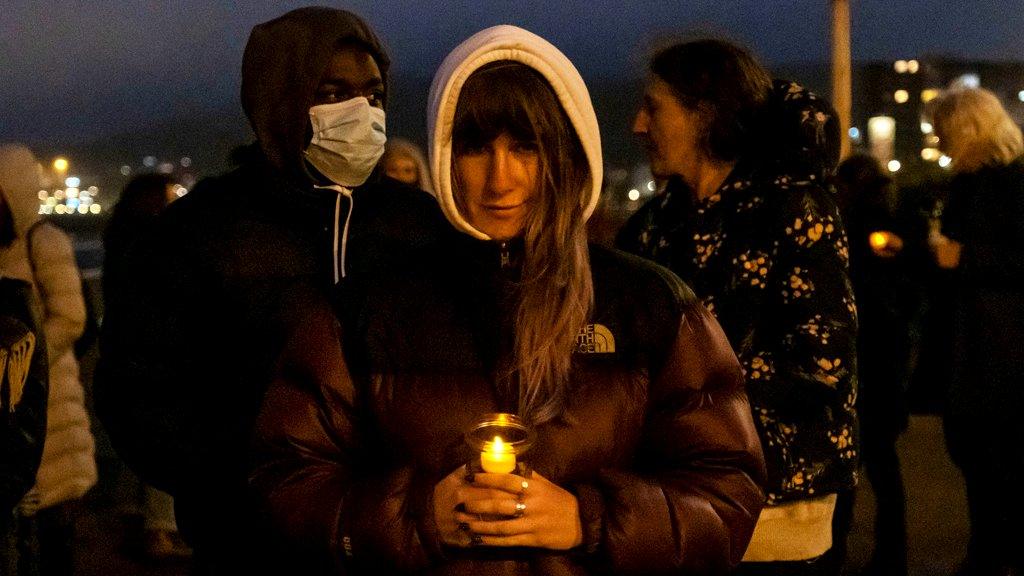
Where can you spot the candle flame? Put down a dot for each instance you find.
(878, 239)
(498, 446)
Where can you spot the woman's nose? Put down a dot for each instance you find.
(641, 122)
(499, 177)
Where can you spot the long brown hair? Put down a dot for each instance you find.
(556, 291)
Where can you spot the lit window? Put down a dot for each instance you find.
(930, 154)
(969, 80)
(912, 66)
(634, 195)
(929, 94)
(900, 66)
(894, 165)
(901, 96)
(881, 128)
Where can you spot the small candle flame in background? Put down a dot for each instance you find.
(878, 240)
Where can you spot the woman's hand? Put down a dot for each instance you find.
(945, 251)
(506, 510)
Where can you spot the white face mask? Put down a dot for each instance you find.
(348, 140)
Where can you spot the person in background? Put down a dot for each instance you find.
(646, 460)
(23, 397)
(142, 199)
(886, 296)
(747, 219)
(982, 239)
(186, 356)
(404, 161)
(42, 255)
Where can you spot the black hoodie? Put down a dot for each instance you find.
(220, 281)
(284, 60)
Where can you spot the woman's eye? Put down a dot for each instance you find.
(376, 99)
(471, 150)
(525, 146)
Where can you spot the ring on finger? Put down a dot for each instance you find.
(522, 490)
(520, 509)
(475, 539)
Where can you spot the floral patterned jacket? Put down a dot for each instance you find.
(768, 256)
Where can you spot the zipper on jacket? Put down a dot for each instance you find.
(506, 256)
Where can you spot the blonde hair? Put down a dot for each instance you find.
(975, 130)
(402, 148)
(556, 291)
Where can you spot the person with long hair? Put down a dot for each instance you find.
(982, 240)
(645, 459)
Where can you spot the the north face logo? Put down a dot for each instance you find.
(595, 339)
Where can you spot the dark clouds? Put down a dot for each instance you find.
(95, 66)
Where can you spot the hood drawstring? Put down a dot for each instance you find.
(339, 263)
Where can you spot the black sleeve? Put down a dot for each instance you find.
(23, 393)
(150, 361)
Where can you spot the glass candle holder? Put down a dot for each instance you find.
(502, 440)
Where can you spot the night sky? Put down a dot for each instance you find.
(78, 70)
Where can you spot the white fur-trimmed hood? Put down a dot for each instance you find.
(506, 43)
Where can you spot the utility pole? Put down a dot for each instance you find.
(841, 71)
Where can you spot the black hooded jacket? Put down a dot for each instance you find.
(188, 344)
(283, 62)
(23, 391)
(768, 255)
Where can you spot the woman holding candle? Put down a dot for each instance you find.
(982, 240)
(645, 459)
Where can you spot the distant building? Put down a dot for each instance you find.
(889, 107)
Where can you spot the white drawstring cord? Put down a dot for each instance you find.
(339, 264)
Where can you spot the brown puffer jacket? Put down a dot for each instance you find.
(657, 442)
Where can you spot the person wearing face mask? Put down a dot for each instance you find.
(209, 292)
(646, 460)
